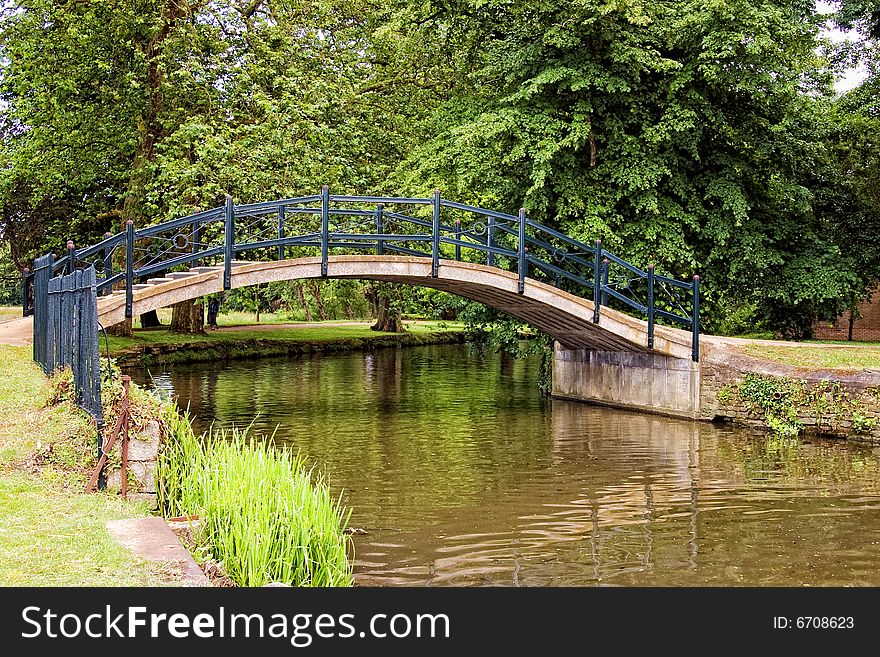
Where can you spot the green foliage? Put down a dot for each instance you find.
(262, 513)
(782, 403)
(702, 137)
(688, 134)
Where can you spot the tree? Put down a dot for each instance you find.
(682, 134)
(152, 109)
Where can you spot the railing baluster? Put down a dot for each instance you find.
(458, 240)
(435, 233)
(490, 241)
(597, 280)
(228, 243)
(380, 226)
(650, 306)
(129, 266)
(280, 231)
(108, 264)
(605, 268)
(521, 251)
(695, 321)
(325, 227)
(197, 241)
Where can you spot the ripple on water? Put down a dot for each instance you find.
(463, 475)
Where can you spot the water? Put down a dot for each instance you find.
(462, 474)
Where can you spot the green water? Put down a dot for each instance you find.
(462, 474)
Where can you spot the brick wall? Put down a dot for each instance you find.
(865, 329)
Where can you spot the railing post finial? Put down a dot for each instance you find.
(597, 280)
(651, 306)
(695, 320)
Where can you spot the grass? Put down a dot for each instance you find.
(262, 514)
(820, 355)
(8, 313)
(52, 534)
(150, 337)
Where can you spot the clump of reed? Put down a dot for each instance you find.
(262, 512)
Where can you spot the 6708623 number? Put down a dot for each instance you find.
(824, 622)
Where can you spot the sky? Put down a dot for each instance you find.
(854, 75)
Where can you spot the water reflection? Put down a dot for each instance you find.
(462, 474)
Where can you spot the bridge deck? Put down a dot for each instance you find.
(565, 317)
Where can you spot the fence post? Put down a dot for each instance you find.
(228, 243)
(380, 227)
(650, 306)
(490, 239)
(281, 231)
(42, 275)
(51, 328)
(695, 321)
(126, 384)
(325, 227)
(597, 280)
(25, 309)
(435, 234)
(521, 251)
(129, 266)
(71, 257)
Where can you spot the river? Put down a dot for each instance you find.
(461, 473)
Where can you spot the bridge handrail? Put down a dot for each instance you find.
(499, 238)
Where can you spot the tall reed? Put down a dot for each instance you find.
(262, 512)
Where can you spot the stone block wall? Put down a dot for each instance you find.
(731, 369)
(143, 448)
(636, 380)
(678, 387)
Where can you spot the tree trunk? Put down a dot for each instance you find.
(302, 301)
(188, 317)
(316, 292)
(852, 322)
(122, 329)
(150, 320)
(388, 319)
(373, 299)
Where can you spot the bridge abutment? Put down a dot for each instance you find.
(641, 381)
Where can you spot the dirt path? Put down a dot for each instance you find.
(17, 332)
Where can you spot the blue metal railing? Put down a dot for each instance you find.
(319, 224)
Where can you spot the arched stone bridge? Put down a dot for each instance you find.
(590, 301)
(564, 316)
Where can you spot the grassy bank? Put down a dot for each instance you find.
(52, 534)
(819, 355)
(151, 346)
(262, 515)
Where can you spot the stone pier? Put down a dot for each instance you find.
(642, 381)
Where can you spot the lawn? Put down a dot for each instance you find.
(52, 534)
(9, 312)
(309, 333)
(820, 355)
